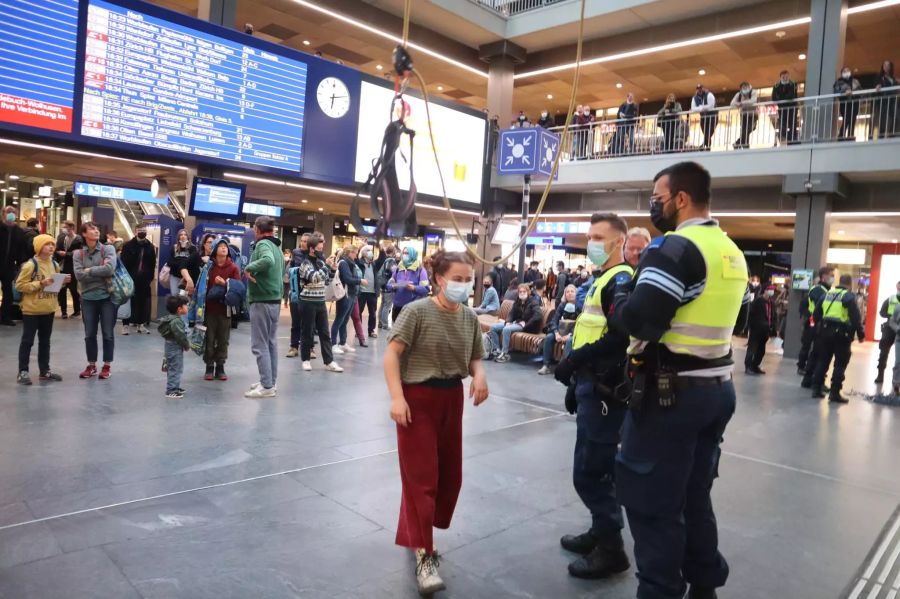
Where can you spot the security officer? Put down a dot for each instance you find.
(840, 320)
(888, 336)
(597, 361)
(807, 308)
(680, 311)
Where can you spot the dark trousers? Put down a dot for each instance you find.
(596, 442)
(296, 328)
(100, 313)
(6, 285)
(624, 136)
(41, 324)
(787, 123)
(395, 312)
(708, 123)
(849, 110)
(72, 287)
(748, 124)
(888, 336)
(664, 475)
(342, 310)
(218, 334)
(756, 347)
(669, 126)
(832, 342)
(806, 343)
(140, 304)
(430, 452)
(369, 301)
(314, 317)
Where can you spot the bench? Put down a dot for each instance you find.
(529, 343)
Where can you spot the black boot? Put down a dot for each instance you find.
(607, 558)
(880, 378)
(702, 593)
(581, 544)
(836, 397)
(817, 393)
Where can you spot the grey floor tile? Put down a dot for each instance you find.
(87, 574)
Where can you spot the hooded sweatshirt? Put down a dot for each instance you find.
(35, 301)
(416, 274)
(228, 270)
(266, 266)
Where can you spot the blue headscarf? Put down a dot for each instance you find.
(413, 256)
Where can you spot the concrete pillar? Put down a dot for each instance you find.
(219, 12)
(502, 56)
(325, 226)
(825, 49)
(811, 234)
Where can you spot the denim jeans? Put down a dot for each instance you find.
(549, 345)
(103, 313)
(264, 340)
(175, 364)
(42, 325)
(342, 310)
(384, 313)
(507, 329)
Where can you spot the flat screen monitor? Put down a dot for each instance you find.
(506, 234)
(156, 83)
(37, 63)
(213, 198)
(801, 279)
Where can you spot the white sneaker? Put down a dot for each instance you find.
(259, 386)
(143, 329)
(307, 366)
(259, 392)
(544, 370)
(125, 330)
(337, 350)
(348, 349)
(427, 577)
(333, 367)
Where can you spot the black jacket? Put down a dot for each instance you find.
(546, 122)
(139, 259)
(500, 277)
(562, 281)
(784, 92)
(854, 327)
(530, 311)
(30, 234)
(761, 318)
(192, 263)
(348, 277)
(628, 112)
(13, 250)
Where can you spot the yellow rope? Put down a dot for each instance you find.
(472, 252)
(406, 10)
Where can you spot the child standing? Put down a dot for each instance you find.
(172, 328)
(38, 308)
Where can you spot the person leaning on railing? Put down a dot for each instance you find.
(884, 109)
(704, 102)
(746, 99)
(668, 120)
(848, 106)
(785, 93)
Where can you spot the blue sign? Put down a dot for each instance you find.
(155, 83)
(37, 63)
(96, 190)
(564, 228)
(264, 209)
(528, 151)
(544, 241)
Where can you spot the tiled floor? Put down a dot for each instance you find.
(121, 493)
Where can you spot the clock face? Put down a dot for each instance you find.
(333, 97)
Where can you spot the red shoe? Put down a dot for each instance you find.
(88, 372)
(104, 372)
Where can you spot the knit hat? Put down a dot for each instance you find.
(40, 241)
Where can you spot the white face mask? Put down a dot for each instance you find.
(544, 115)
(458, 292)
(846, 74)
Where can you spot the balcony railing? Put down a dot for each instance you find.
(860, 117)
(508, 8)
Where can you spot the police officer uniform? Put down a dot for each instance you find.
(888, 336)
(597, 361)
(682, 309)
(807, 308)
(840, 320)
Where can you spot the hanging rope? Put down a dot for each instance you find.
(471, 251)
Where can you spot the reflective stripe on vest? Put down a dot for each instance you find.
(810, 303)
(893, 302)
(592, 323)
(833, 307)
(703, 327)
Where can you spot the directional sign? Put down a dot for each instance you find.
(529, 151)
(95, 190)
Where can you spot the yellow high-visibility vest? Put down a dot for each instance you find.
(592, 323)
(833, 307)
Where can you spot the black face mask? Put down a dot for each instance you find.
(142, 236)
(486, 285)
(663, 223)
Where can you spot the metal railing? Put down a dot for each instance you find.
(509, 8)
(860, 117)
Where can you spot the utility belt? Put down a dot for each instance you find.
(609, 383)
(837, 328)
(653, 382)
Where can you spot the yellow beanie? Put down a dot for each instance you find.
(40, 241)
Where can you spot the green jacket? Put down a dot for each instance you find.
(171, 327)
(267, 267)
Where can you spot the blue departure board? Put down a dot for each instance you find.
(158, 84)
(37, 63)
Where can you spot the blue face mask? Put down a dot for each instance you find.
(458, 292)
(407, 260)
(569, 308)
(10, 217)
(597, 253)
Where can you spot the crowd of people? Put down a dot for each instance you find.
(672, 119)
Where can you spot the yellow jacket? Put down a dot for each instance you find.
(35, 301)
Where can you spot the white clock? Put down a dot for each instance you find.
(333, 97)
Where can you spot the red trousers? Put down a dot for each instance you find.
(430, 451)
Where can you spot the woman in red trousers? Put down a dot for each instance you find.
(433, 346)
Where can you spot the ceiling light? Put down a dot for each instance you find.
(304, 201)
(549, 96)
(378, 67)
(872, 6)
(618, 86)
(841, 232)
(672, 46)
(38, 165)
(321, 210)
(440, 88)
(25, 144)
(701, 72)
(430, 224)
(305, 42)
(779, 35)
(4, 189)
(61, 193)
(390, 36)
(801, 56)
(13, 177)
(893, 241)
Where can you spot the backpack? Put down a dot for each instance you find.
(294, 280)
(35, 275)
(121, 285)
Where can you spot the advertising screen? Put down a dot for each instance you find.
(459, 137)
(37, 63)
(158, 84)
(216, 199)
